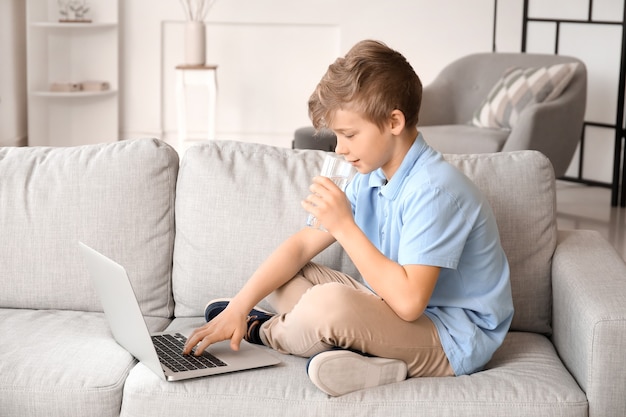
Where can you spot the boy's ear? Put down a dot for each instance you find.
(397, 121)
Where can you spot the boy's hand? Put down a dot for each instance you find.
(328, 203)
(226, 325)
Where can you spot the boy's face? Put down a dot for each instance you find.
(364, 144)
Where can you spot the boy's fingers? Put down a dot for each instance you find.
(204, 343)
(235, 344)
(197, 336)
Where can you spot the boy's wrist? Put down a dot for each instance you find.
(239, 307)
(345, 231)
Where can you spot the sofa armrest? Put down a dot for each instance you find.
(589, 317)
(553, 128)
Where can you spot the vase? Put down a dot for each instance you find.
(195, 43)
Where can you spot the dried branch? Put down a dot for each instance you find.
(196, 10)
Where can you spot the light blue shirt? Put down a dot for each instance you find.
(429, 213)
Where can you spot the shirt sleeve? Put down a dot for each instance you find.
(352, 189)
(434, 229)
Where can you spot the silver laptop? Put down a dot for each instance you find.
(160, 352)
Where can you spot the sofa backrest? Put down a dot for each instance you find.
(117, 198)
(236, 202)
(520, 187)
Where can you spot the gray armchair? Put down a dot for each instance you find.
(553, 127)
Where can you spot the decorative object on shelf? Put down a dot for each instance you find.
(64, 87)
(73, 11)
(94, 85)
(195, 33)
(68, 87)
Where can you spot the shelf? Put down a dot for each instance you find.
(61, 25)
(72, 51)
(73, 94)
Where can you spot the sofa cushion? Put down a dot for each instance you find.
(524, 378)
(521, 189)
(61, 364)
(518, 88)
(235, 203)
(117, 198)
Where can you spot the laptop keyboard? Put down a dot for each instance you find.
(170, 350)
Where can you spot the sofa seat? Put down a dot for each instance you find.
(524, 378)
(464, 138)
(35, 370)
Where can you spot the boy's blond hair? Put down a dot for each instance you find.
(372, 80)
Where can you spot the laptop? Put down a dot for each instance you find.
(161, 352)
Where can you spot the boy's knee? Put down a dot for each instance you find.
(329, 302)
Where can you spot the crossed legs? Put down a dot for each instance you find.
(320, 309)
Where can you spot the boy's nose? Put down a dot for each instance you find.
(340, 148)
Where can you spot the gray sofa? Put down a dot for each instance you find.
(193, 231)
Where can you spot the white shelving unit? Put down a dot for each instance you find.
(72, 52)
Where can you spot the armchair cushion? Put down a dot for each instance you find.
(518, 88)
(459, 139)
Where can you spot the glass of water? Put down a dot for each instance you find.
(340, 172)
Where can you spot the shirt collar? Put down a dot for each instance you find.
(389, 189)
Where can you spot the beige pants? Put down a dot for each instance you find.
(321, 308)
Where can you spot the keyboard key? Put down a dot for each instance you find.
(169, 349)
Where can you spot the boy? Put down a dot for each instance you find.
(437, 299)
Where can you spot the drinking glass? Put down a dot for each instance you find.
(340, 172)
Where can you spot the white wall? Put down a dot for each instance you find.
(271, 53)
(12, 73)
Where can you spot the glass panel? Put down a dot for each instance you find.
(559, 9)
(541, 37)
(598, 159)
(598, 46)
(608, 10)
